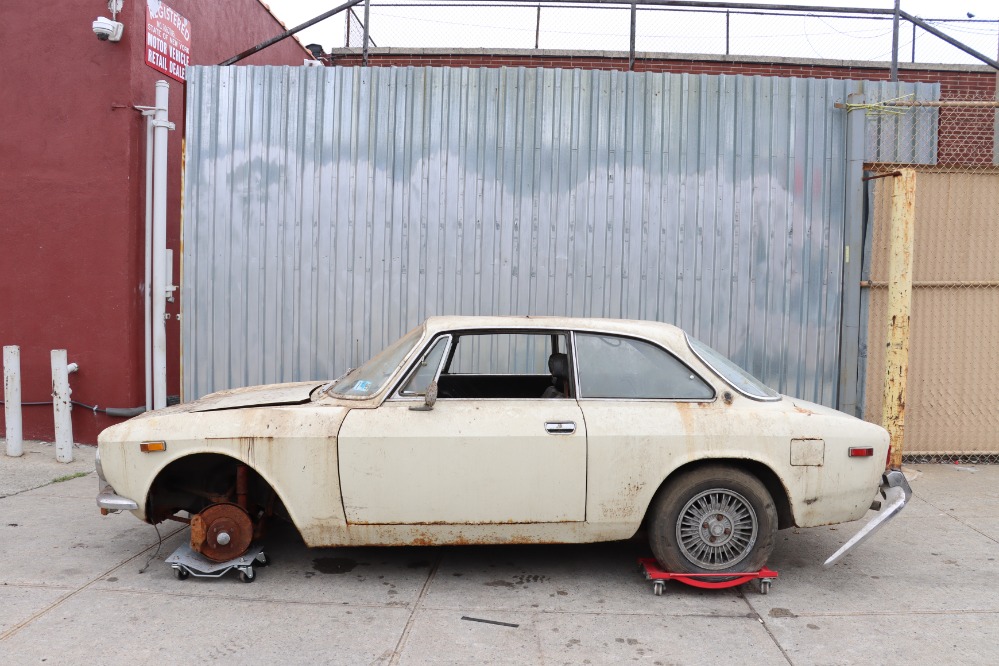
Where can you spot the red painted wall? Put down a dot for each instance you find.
(72, 202)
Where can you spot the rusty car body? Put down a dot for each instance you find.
(475, 430)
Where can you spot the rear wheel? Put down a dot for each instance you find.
(715, 519)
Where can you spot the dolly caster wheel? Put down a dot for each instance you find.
(658, 587)
(247, 576)
(764, 587)
(180, 574)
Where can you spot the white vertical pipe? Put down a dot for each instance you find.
(61, 406)
(160, 129)
(148, 279)
(12, 399)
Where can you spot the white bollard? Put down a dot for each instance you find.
(61, 406)
(12, 399)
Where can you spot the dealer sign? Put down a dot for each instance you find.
(168, 40)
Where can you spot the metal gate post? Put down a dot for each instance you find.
(903, 217)
(893, 74)
(631, 47)
(364, 44)
(853, 255)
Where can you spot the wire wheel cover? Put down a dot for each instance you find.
(716, 529)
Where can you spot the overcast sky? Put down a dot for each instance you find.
(607, 29)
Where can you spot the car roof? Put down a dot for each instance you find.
(640, 328)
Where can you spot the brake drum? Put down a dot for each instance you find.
(221, 532)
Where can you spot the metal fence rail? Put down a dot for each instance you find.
(665, 27)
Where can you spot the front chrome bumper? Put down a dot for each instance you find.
(893, 483)
(109, 501)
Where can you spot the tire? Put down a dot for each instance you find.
(715, 519)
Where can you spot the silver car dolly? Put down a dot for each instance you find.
(187, 562)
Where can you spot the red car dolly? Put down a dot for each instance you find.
(707, 581)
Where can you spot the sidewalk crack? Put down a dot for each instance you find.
(399, 646)
(766, 628)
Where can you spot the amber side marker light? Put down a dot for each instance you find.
(149, 447)
(861, 452)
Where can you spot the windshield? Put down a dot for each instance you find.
(743, 382)
(370, 377)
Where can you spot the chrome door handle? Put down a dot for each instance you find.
(560, 427)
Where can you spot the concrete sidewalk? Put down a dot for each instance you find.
(923, 591)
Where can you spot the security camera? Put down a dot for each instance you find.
(108, 30)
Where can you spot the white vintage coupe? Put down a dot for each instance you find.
(489, 430)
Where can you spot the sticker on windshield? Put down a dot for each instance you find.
(361, 386)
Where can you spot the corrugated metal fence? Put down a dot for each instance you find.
(328, 210)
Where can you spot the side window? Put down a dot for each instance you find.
(426, 369)
(615, 367)
(503, 354)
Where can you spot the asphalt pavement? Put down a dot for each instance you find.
(76, 587)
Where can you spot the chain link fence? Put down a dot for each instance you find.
(658, 29)
(954, 327)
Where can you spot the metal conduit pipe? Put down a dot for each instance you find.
(149, 113)
(148, 278)
(117, 412)
(159, 287)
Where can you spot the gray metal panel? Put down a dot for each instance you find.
(328, 210)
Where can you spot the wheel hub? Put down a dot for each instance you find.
(221, 532)
(717, 529)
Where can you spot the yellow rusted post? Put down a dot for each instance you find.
(903, 218)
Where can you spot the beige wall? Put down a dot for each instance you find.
(953, 381)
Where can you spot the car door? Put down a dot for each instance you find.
(491, 458)
(644, 407)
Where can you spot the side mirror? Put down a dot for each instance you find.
(429, 398)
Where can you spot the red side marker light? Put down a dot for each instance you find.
(149, 447)
(861, 452)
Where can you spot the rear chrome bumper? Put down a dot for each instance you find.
(893, 483)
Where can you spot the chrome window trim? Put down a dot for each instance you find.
(554, 401)
(720, 376)
(656, 400)
(396, 394)
(575, 366)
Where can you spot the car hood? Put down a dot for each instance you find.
(256, 396)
